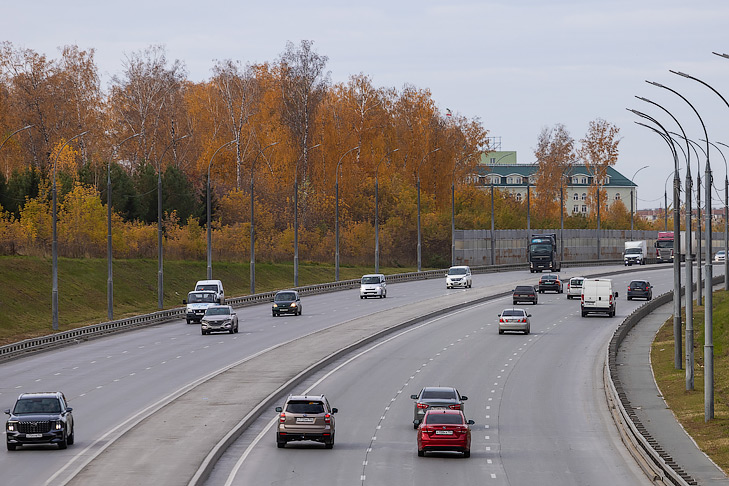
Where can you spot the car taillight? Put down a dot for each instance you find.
(456, 406)
(582, 298)
(422, 405)
(523, 320)
(501, 319)
(327, 419)
(282, 418)
(610, 301)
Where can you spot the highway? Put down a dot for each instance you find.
(536, 399)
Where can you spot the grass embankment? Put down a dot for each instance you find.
(26, 288)
(688, 406)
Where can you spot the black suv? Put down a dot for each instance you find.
(40, 418)
(550, 282)
(286, 302)
(524, 293)
(641, 289)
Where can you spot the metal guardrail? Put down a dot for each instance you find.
(640, 437)
(74, 336)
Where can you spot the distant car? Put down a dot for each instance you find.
(720, 256)
(641, 289)
(459, 276)
(373, 285)
(219, 318)
(436, 398)
(306, 417)
(514, 320)
(40, 418)
(525, 293)
(197, 303)
(286, 302)
(574, 287)
(550, 282)
(444, 430)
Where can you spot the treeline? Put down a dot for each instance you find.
(274, 126)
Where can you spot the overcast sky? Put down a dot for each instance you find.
(517, 65)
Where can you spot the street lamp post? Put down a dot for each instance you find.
(708, 311)
(252, 268)
(54, 245)
(631, 199)
(377, 211)
(726, 223)
(493, 237)
(418, 186)
(110, 277)
(296, 214)
(209, 214)
(16, 131)
(160, 267)
(336, 231)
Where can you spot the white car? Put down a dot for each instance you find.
(459, 276)
(574, 287)
(719, 256)
(373, 285)
(514, 320)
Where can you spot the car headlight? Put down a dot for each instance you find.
(293, 304)
(12, 426)
(59, 425)
(275, 306)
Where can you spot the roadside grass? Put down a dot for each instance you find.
(26, 288)
(688, 406)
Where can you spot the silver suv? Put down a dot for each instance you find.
(436, 398)
(306, 417)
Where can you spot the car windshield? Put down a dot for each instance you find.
(284, 296)
(301, 406)
(201, 298)
(549, 277)
(457, 271)
(576, 282)
(430, 394)
(37, 405)
(633, 250)
(212, 287)
(541, 249)
(513, 312)
(637, 284)
(664, 244)
(444, 418)
(370, 280)
(524, 288)
(217, 311)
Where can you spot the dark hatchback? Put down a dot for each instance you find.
(286, 302)
(525, 293)
(641, 289)
(550, 282)
(40, 418)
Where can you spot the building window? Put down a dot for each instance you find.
(583, 180)
(518, 197)
(584, 196)
(493, 160)
(576, 197)
(617, 196)
(575, 209)
(584, 208)
(575, 180)
(495, 180)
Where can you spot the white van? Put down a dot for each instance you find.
(373, 285)
(598, 296)
(212, 286)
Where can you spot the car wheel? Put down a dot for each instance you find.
(236, 329)
(467, 454)
(231, 331)
(281, 444)
(584, 314)
(63, 444)
(630, 298)
(501, 332)
(202, 332)
(513, 302)
(71, 438)
(527, 331)
(188, 321)
(421, 453)
(329, 445)
(11, 447)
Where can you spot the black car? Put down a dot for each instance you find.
(525, 293)
(434, 398)
(641, 289)
(40, 418)
(550, 282)
(286, 302)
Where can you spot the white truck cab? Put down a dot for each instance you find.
(598, 296)
(212, 286)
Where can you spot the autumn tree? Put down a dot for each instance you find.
(555, 154)
(599, 151)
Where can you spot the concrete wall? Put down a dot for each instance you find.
(473, 247)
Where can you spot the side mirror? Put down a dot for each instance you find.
(184, 302)
(279, 409)
(616, 294)
(335, 410)
(416, 422)
(529, 315)
(7, 411)
(471, 422)
(414, 397)
(464, 397)
(69, 409)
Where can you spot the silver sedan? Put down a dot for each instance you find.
(514, 320)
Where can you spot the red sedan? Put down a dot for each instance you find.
(444, 430)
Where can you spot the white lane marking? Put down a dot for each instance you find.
(493, 476)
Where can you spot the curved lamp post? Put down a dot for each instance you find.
(209, 213)
(296, 214)
(336, 231)
(726, 223)
(708, 312)
(16, 131)
(253, 226)
(54, 245)
(632, 211)
(110, 277)
(377, 220)
(418, 185)
(678, 351)
(160, 268)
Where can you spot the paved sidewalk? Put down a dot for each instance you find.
(634, 370)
